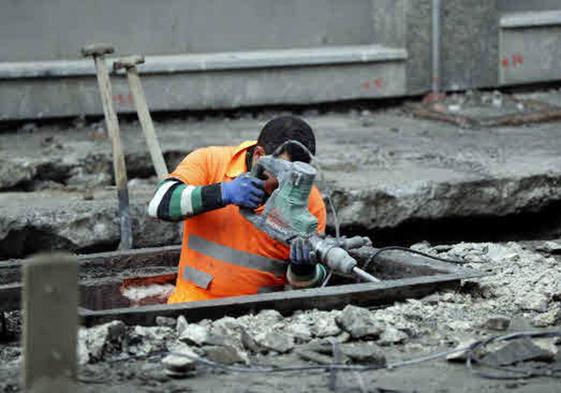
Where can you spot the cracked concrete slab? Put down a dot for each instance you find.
(384, 168)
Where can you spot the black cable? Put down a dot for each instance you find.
(409, 250)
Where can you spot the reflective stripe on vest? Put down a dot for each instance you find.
(197, 277)
(236, 257)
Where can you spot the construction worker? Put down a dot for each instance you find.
(223, 254)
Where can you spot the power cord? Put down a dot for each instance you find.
(411, 251)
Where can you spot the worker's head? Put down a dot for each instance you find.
(278, 131)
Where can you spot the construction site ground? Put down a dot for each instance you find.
(479, 194)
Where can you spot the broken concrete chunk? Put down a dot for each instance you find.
(549, 318)
(367, 353)
(275, 341)
(551, 246)
(549, 345)
(178, 364)
(359, 322)
(325, 325)
(181, 325)
(268, 318)
(249, 343)
(96, 342)
(314, 356)
(497, 323)
(146, 340)
(391, 336)
(226, 326)
(194, 334)
(166, 321)
(225, 355)
(518, 351)
(300, 331)
(532, 301)
(155, 333)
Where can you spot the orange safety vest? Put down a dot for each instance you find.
(222, 253)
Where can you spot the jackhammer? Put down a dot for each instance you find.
(285, 216)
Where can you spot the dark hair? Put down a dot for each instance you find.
(284, 128)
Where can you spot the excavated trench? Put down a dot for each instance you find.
(133, 286)
(544, 224)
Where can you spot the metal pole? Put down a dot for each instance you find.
(436, 6)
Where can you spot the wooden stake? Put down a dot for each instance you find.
(50, 323)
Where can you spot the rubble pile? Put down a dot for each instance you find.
(523, 292)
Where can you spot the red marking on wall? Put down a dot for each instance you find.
(514, 60)
(505, 62)
(376, 83)
(122, 99)
(517, 59)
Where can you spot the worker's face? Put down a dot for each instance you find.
(271, 183)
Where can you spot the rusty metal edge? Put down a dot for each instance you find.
(10, 270)
(366, 294)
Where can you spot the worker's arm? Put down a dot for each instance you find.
(187, 191)
(175, 200)
(303, 270)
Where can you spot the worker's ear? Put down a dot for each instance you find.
(258, 152)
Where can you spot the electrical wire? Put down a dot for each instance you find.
(412, 251)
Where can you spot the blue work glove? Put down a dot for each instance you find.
(302, 255)
(245, 191)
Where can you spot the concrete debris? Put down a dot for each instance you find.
(166, 321)
(359, 322)
(180, 325)
(533, 302)
(225, 354)
(268, 318)
(249, 343)
(551, 247)
(314, 356)
(147, 340)
(521, 350)
(366, 353)
(300, 331)
(96, 342)
(497, 323)
(194, 334)
(275, 341)
(178, 364)
(325, 325)
(549, 318)
(391, 336)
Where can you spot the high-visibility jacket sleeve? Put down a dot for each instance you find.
(175, 200)
(187, 192)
